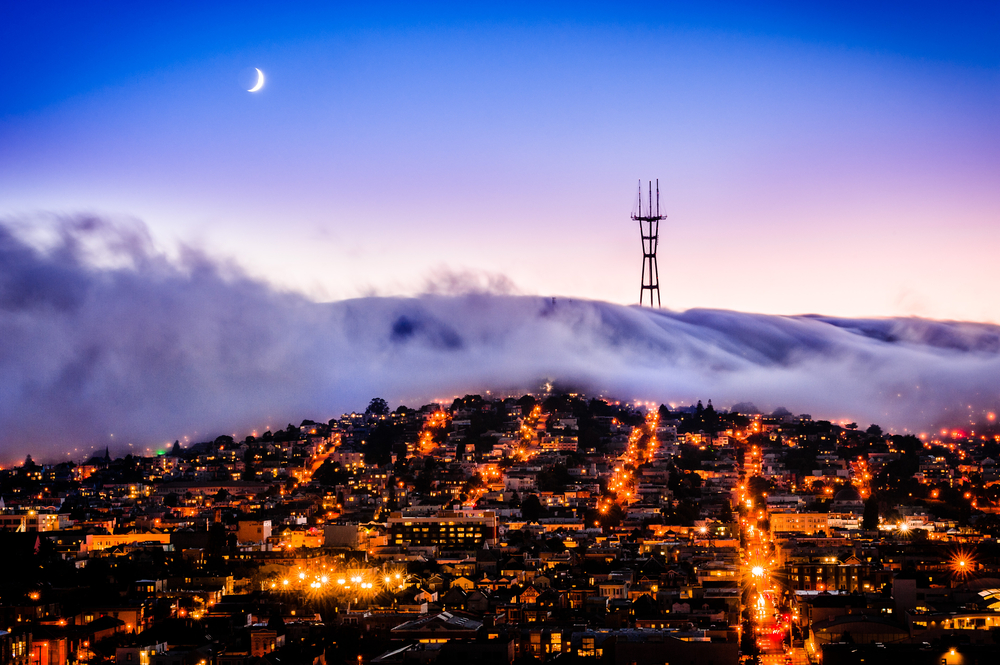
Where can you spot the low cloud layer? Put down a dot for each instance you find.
(101, 335)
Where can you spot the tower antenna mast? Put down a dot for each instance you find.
(650, 234)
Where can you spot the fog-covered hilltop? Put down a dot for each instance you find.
(907, 373)
(150, 350)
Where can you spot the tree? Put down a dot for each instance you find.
(757, 486)
(907, 444)
(176, 450)
(276, 622)
(249, 472)
(531, 508)
(556, 544)
(614, 516)
(869, 520)
(554, 479)
(748, 641)
(377, 407)
(383, 436)
(527, 403)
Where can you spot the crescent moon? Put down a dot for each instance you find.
(260, 81)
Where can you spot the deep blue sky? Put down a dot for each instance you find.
(837, 157)
(62, 49)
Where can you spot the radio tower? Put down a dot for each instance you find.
(650, 238)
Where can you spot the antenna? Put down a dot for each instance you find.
(650, 234)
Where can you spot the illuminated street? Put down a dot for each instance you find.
(762, 594)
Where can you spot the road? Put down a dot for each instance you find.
(798, 657)
(769, 621)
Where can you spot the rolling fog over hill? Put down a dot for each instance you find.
(149, 349)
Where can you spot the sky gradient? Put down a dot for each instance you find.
(835, 159)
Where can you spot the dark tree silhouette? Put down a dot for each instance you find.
(531, 508)
(377, 407)
(869, 520)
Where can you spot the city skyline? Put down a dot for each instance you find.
(319, 336)
(593, 529)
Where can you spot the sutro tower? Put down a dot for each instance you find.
(650, 238)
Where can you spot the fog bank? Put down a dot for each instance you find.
(101, 335)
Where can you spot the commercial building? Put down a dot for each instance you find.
(445, 529)
(807, 523)
(32, 520)
(253, 531)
